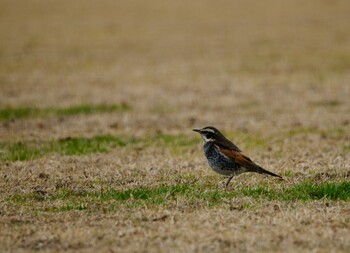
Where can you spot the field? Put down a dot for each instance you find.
(98, 100)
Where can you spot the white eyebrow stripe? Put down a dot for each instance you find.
(208, 130)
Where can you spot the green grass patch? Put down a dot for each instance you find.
(253, 142)
(21, 151)
(11, 113)
(91, 109)
(178, 144)
(305, 191)
(301, 131)
(346, 147)
(190, 193)
(327, 103)
(67, 207)
(85, 146)
(68, 146)
(178, 140)
(334, 133)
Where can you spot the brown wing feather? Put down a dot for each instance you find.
(246, 162)
(239, 158)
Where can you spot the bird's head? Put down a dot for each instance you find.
(209, 134)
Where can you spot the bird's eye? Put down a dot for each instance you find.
(209, 135)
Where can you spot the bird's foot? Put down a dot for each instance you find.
(222, 185)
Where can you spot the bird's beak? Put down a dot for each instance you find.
(197, 130)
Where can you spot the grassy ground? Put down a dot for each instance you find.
(98, 100)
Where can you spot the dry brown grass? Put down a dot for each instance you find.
(274, 75)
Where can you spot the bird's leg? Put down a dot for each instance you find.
(229, 180)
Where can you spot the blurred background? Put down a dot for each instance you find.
(178, 64)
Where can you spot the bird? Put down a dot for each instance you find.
(225, 158)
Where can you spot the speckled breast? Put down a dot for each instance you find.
(218, 161)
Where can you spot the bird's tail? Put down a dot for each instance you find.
(263, 171)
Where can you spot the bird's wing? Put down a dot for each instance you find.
(238, 158)
(245, 162)
(226, 144)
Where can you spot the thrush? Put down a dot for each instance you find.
(226, 158)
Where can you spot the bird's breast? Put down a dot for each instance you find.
(219, 162)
